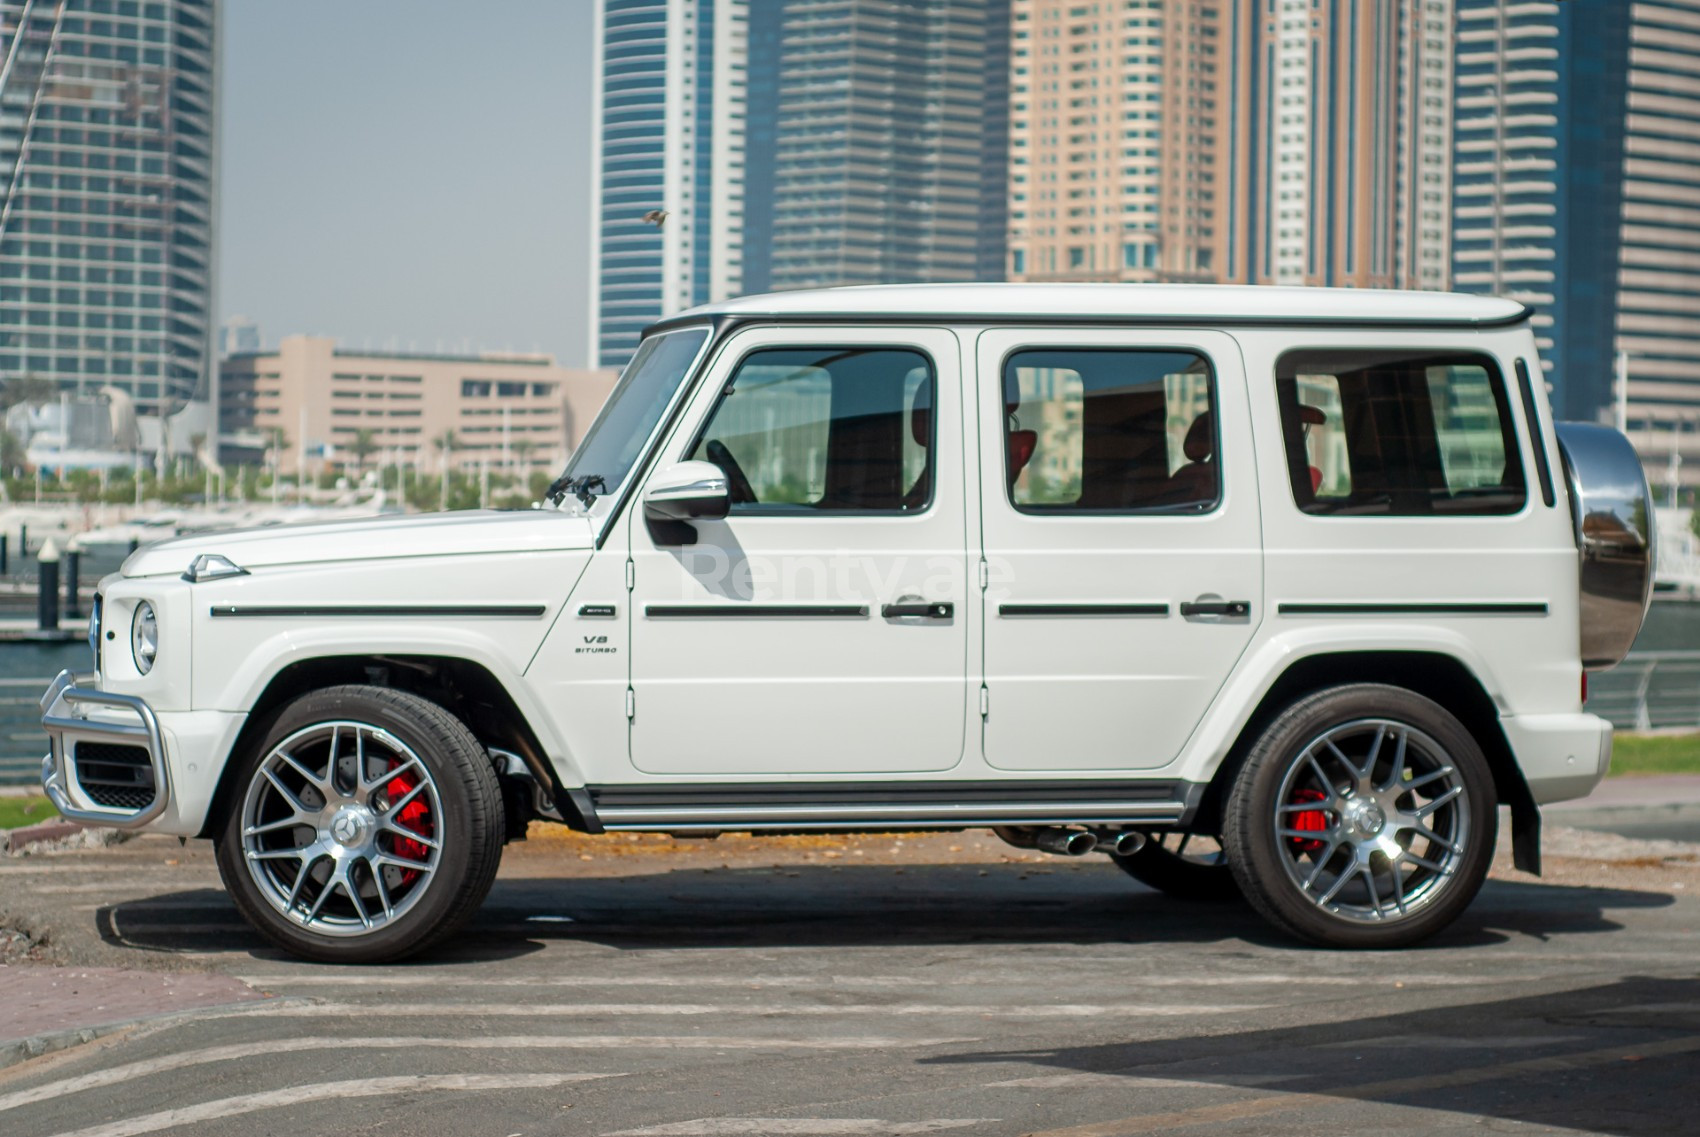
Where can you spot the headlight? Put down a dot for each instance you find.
(144, 637)
(94, 631)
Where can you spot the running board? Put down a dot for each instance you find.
(893, 805)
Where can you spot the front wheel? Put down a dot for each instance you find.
(1364, 817)
(366, 825)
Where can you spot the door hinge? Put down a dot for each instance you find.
(631, 576)
(985, 702)
(631, 703)
(985, 576)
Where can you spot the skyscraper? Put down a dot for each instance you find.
(109, 177)
(1260, 141)
(1577, 190)
(1658, 267)
(1129, 143)
(667, 181)
(890, 117)
(1352, 127)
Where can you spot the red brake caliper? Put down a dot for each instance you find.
(1309, 821)
(415, 815)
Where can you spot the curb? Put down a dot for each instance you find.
(17, 1050)
(53, 829)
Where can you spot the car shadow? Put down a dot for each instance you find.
(853, 906)
(1613, 1058)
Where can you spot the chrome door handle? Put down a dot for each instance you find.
(1215, 608)
(925, 609)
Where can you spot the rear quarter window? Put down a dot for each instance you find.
(1398, 433)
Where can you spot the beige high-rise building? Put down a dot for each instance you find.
(1128, 145)
(509, 411)
(1237, 141)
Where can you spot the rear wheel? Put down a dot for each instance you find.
(1183, 865)
(1364, 817)
(366, 825)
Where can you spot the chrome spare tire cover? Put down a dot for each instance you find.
(1611, 507)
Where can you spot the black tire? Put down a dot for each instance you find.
(1180, 872)
(464, 818)
(1438, 756)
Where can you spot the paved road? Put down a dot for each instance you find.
(861, 987)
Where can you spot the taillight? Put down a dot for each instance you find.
(1584, 686)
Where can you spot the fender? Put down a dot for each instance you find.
(1261, 668)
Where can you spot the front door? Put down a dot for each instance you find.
(821, 628)
(1121, 530)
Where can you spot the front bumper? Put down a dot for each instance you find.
(106, 760)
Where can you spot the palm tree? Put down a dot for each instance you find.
(31, 389)
(448, 443)
(363, 446)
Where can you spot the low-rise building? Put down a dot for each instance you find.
(507, 410)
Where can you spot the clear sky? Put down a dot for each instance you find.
(408, 173)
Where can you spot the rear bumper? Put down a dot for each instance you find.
(1562, 756)
(77, 718)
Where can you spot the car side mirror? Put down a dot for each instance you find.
(688, 491)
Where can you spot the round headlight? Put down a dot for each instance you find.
(144, 637)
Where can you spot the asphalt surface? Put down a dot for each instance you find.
(874, 986)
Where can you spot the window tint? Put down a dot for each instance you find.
(831, 428)
(1112, 431)
(1398, 433)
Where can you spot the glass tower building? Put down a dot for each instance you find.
(108, 193)
(890, 136)
(1577, 190)
(668, 181)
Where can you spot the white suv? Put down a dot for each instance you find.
(1267, 591)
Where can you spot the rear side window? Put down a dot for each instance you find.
(1398, 433)
(825, 428)
(1110, 431)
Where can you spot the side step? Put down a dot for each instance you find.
(894, 804)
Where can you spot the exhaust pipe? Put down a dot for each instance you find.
(1049, 839)
(1125, 843)
(1065, 842)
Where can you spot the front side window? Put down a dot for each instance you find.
(1110, 431)
(1398, 433)
(629, 417)
(825, 428)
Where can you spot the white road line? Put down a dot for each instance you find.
(298, 1095)
(1445, 1042)
(118, 1075)
(985, 1010)
(789, 1126)
(1135, 1082)
(459, 978)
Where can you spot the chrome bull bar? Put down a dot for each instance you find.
(65, 717)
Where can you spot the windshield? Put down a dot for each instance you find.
(639, 400)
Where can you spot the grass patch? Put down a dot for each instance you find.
(16, 812)
(1655, 754)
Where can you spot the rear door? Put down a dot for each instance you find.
(1124, 566)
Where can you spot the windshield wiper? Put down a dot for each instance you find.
(580, 488)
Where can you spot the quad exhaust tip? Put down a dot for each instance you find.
(1065, 842)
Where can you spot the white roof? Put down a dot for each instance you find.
(1224, 303)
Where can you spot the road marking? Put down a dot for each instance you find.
(1287, 1103)
(1133, 1081)
(987, 1010)
(296, 1095)
(1444, 1042)
(459, 978)
(117, 1075)
(787, 1126)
